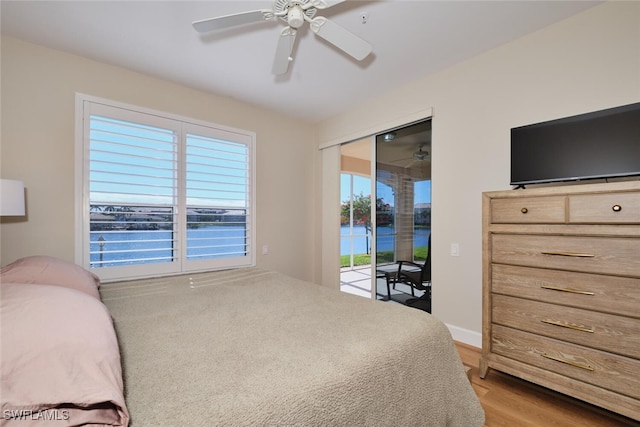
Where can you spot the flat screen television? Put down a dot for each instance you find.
(601, 144)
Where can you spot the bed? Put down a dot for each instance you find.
(59, 356)
(254, 347)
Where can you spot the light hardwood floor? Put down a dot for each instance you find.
(509, 401)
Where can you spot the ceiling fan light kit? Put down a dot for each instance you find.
(294, 13)
(295, 17)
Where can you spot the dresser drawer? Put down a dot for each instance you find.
(617, 334)
(610, 208)
(614, 295)
(602, 369)
(617, 256)
(528, 210)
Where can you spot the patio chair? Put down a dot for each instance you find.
(417, 276)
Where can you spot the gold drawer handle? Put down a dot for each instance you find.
(570, 254)
(568, 362)
(569, 325)
(573, 291)
(524, 210)
(616, 208)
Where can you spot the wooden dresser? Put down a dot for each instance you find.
(561, 290)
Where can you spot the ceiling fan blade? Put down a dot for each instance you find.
(401, 160)
(341, 38)
(411, 163)
(321, 4)
(234, 20)
(283, 50)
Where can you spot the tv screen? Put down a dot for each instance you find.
(601, 144)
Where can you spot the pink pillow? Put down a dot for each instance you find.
(46, 270)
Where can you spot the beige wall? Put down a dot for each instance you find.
(588, 62)
(38, 101)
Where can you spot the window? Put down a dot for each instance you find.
(162, 194)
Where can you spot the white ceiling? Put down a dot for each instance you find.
(411, 39)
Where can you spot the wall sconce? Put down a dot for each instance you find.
(11, 198)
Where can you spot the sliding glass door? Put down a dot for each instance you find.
(388, 221)
(403, 194)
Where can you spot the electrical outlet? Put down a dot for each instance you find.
(265, 249)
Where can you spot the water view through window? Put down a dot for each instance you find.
(124, 235)
(385, 242)
(356, 228)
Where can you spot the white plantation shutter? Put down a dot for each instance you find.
(164, 195)
(132, 183)
(217, 194)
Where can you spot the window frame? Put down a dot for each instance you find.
(87, 105)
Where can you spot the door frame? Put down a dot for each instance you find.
(330, 192)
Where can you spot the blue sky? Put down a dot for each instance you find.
(363, 185)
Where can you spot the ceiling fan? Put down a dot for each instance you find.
(294, 13)
(418, 156)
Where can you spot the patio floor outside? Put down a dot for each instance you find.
(357, 281)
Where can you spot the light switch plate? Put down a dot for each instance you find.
(455, 249)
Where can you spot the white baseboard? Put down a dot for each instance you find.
(466, 336)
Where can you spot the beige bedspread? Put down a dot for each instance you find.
(253, 347)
